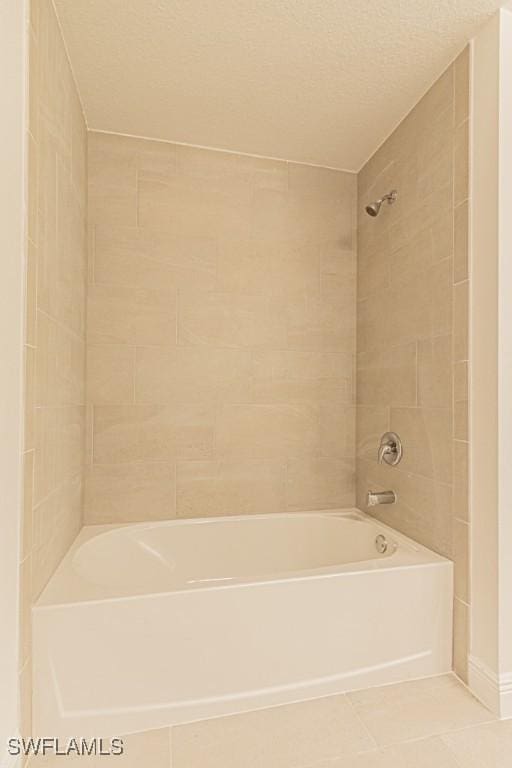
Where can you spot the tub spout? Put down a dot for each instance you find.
(374, 498)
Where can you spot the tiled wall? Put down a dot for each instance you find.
(221, 333)
(55, 319)
(412, 339)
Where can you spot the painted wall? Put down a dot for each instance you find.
(490, 665)
(412, 334)
(12, 248)
(55, 319)
(221, 333)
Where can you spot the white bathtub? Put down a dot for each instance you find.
(151, 625)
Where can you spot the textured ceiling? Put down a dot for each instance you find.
(318, 81)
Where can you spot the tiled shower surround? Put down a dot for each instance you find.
(412, 328)
(221, 333)
(221, 329)
(55, 320)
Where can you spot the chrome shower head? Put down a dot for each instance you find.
(373, 208)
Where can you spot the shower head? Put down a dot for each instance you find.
(373, 208)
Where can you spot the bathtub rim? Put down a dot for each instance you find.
(409, 554)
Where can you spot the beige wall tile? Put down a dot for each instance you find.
(300, 365)
(112, 160)
(33, 191)
(128, 433)
(423, 508)
(46, 383)
(47, 245)
(460, 463)
(389, 377)
(441, 233)
(110, 374)
(313, 180)
(30, 385)
(196, 162)
(319, 483)
(460, 321)
(420, 308)
(156, 160)
(337, 425)
(460, 480)
(413, 290)
(461, 85)
(112, 204)
(426, 433)
(460, 502)
(131, 492)
(119, 315)
(374, 236)
(60, 364)
(33, 78)
(27, 530)
(45, 457)
(236, 284)
(461, 163)
(325, 321)
(460, 249)
(267, 174)
(69, 448)
(267, 431)
(372, 422)
(25, 606)
(460, 401)
(55, 320)
(31, 295)
(246, 265)
(435, 372)
(460, 381)
(268, 390)
(191, 374)
(79, 147)
(372, 325)
(151, 259)
(461, 421)
(209, 488)
(373, 270)
(70, 367)
(230, 320)
(188, 206)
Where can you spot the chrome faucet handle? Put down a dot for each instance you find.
(385, 449)
(390, 449)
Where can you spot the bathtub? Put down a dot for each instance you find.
(151, 625)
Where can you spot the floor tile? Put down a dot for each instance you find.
(427, 753)
(417, 709)
(151, 749)
(486, 746)
(282, 737)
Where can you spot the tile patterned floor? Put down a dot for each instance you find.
(432, 723)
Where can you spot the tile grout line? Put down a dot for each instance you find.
(360, 720)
